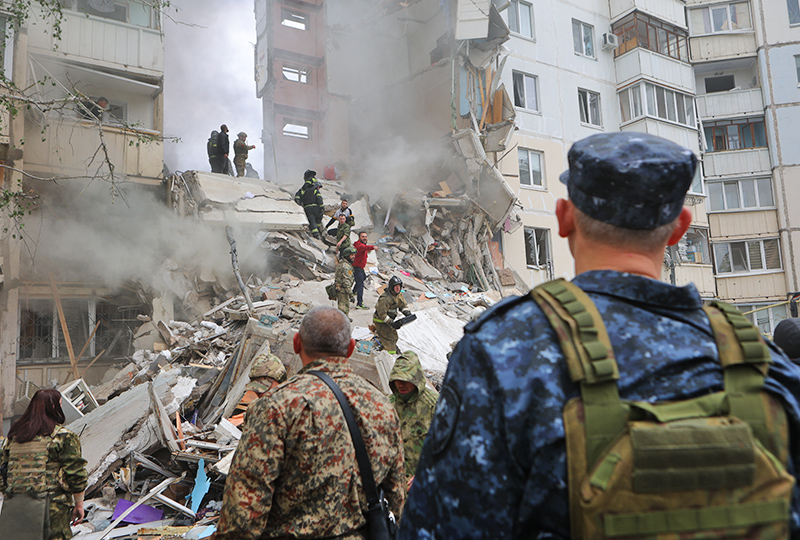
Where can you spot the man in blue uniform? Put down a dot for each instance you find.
(494, 463)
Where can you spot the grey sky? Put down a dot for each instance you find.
(208, 79)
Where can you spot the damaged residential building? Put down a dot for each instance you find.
(495, 92)
(52, 318)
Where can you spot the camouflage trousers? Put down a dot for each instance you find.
(343, 301)
(387, 336)
(239, 161)
(60, 516)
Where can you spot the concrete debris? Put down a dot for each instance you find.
(170, 415)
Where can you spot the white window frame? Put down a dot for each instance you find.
(535, 250)
(296, 129)
(531, 182)
(725, 191)
(586, 98)
(793, 8)
(725, 248)
(671, 105)
(693, 248)
(797, 67)
(515, 17)
(534, 83)
(766, 325)
(300, 75)
(580, 45)
(706, 15)
(299, 20)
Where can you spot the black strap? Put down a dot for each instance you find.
(361, 452)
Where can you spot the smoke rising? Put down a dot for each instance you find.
(209, 79)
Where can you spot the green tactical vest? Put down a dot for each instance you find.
(29, 470)
(702, 468)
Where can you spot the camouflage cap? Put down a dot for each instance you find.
(242, 134)
(268, 366)
(629, 179)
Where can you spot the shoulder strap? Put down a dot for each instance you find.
(590, 360)
(361, 452)
(745, 360)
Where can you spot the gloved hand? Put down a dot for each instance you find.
(406, 312)
(397, 324)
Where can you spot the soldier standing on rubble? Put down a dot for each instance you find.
(295, 474)
(309, 197)
(42, 459)
(495, 464)
(389, 303)
(343, 234)
(414, 403)
(359, 263)
(343, 279)
(224, 148)
(240, 151)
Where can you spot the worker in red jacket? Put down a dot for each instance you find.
(362, 250)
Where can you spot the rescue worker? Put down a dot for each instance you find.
(389, 303)
(359, 264)
(343, 234)
(295, 473)
(240, 151)
(414, 403)
(267, 373)
(343, 209)
(496, 464)
(309, 197)
(42, 459)
(343, 279)
(224, 149)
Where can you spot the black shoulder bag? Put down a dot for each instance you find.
(380, 521)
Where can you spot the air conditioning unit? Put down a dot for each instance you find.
(610, 41)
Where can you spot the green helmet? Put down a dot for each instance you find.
(268, 366)
(346, 252)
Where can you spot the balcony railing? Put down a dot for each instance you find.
(98, 40)
(737, 162)
(729, 104)
(641, 62)
(69, 147)
(722, 46)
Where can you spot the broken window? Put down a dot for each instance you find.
(537, 247)
(520, 18)
(530, 167)
(525, 93)
(583, 38)
(300, 130)
(589, 103)
(722, 83)
(294, 19)
(108, 9)
(296, 74)
(766, 318)
(692, 248)
(749, 256)
(36, 329)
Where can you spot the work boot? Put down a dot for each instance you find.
(361, 306)
(316, 235)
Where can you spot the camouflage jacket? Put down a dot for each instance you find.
(241, 148)
(494, 463)
(343, 231)
(47, 464)
(343, 276)
(295, 473)
(415, 410)
(388, 305)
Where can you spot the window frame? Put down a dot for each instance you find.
(797, 67)
(287, 14)
(588, 110)
(297, 135)
(517, 18)
(772, 321)
(580, 42)
(793, 8)
(633, 31)
(649, 103)
(531, 184)
(719, 131)
(745, 250)
(525, 76)
(708, 19)
(302, 72)
(681, 250)
(725, 188)
(543, 257)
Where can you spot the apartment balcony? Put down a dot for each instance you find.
(640, 62)
(104, 42)
(752, 287)
(671, 11)
(702, 275)
(737, 162)
(708, 48)
(69, 147)
(721, 105)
